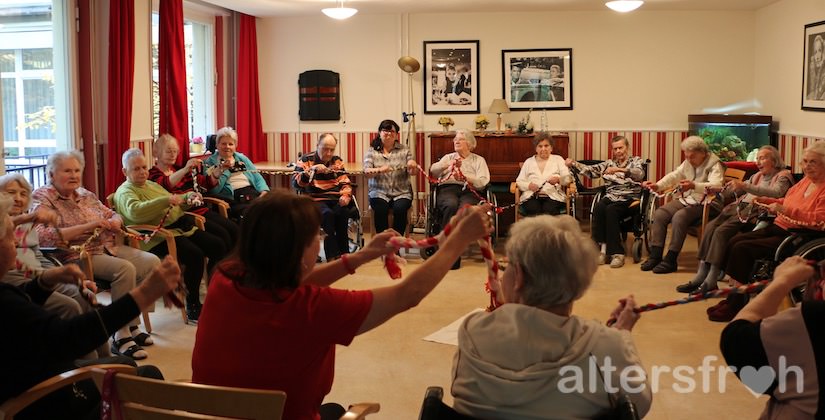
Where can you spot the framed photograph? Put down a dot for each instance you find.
(538, 79)
(451, 77)
(813, 68)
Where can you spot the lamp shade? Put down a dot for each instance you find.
(624, 6)
(499, 106)
(408, 64)
(339, 13)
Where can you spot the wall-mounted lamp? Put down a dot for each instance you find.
(498, 107)
(624, 6)
(340, 12)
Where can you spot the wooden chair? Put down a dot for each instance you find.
(11, 407)
(730, 174)
(218, 205)
(132, 240)
(145, 398)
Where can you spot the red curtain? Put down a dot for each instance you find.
(174, 113)
(220, 112)
(121, 82)
(251, 137)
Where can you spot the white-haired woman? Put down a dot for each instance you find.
(238, 183)
(38, 344)
(773, 181)
(140, 201)
(701, 169)
(456, 169)
(80, 215)
(516, 361)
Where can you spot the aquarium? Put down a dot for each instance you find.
(734, 137)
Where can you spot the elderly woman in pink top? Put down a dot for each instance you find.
(80, 215)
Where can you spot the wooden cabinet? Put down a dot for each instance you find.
(503, 152)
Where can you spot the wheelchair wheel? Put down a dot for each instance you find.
(646, 221)
(636, 250)
(355, 235)
(814, 251)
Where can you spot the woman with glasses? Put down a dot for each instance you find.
(388, 164)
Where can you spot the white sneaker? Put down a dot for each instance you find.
(617, 261)
(602, 259)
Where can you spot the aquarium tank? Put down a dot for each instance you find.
(734, 137)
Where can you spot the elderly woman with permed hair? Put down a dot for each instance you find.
(456, 169)
(238, 183)
(700, 169)
(521, 360)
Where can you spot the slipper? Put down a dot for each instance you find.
(134, 351)
(141, 338)
(665, 267)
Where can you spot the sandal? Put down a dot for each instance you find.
(141, 338)
(134, 351)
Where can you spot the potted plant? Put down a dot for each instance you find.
(196, 145)
(482, 122)
(446, 122)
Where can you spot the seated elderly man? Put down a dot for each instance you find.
(140, 201)
(700, 170)
(322, 176)
(531, 356)
(457, 172)
(622, 177)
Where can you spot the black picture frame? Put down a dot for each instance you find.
(813, 68)
(538, 78)
(451, 77)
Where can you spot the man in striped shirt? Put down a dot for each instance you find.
(322, 176)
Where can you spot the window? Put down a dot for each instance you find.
(200, 73)
(34, 84)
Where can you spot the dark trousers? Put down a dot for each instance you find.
(381, 209)
(450, 197)
(606, 226)
(718, 233)
(225, 229)
(334, 221)
(191, 252)
(543, 205)
(745, 248)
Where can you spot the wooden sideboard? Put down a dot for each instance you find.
(503, 152)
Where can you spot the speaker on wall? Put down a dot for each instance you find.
(319, 95)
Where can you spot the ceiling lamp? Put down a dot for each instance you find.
(624, 6)
(340, 12)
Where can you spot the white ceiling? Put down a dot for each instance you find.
(266, 8)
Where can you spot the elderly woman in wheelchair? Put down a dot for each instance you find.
(739, 216)
(528, 357)
(462, 174)
(803, 208)
(542, 180)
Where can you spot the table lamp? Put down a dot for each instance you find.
(499, 106)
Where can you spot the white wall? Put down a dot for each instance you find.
(645, 70)
(779, 63)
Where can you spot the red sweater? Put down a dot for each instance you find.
(250, 338)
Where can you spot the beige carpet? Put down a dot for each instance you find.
(393, 365)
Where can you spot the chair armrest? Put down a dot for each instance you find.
(164, 233)
(200, 221)
(221, 206)
(360, 411)
(513, 188)
(18, 403)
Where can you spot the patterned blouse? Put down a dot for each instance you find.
(393, 184)
(82, 207)
(618, 186)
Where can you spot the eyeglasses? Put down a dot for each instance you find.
(388, 131)
(322, 235)
(329, 149)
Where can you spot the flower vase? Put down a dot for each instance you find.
(196, 147)
(446, 127)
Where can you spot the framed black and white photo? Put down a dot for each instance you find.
(813, 70)
(538, 79)
(451, 77)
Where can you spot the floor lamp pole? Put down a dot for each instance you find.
(409, 118)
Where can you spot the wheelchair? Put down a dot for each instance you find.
(638, 222)
(355, 229)
(433, 219)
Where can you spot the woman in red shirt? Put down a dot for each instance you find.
(270, 319)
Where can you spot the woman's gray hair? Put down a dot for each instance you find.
(776, 157)
(817, 147)
(161, 141)
(695, 144)
(226, 131)
(540, 137)
(15, 177)
(468, 135)
(557, 259)
(5, 205)
(58, 157)
(129, 155)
